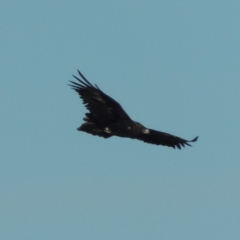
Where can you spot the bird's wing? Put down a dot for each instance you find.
(165, 139)
(100, 105)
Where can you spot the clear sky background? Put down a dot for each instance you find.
(174, 66)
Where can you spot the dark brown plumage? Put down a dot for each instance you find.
(106, 118)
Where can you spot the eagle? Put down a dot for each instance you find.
(106, 118)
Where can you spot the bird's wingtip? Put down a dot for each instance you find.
(195, 139)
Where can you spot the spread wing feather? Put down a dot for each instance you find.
(165, 139)
(100, 105)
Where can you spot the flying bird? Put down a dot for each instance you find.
(106, 118)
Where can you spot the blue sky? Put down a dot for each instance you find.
(173, 66)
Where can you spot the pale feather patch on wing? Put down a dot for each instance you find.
(146, 131)
(107, 130)
(99, 99)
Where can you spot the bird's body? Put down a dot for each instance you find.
(106, 118)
